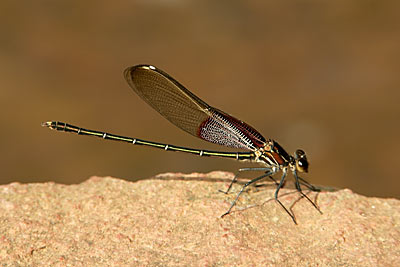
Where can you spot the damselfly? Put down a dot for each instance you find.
(188, 112)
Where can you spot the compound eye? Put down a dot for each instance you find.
(300, 153)
(302, 165)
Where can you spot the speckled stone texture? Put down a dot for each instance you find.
(174, 220)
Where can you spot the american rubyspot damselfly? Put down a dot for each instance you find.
(188, 112)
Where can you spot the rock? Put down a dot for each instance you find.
(174, 219)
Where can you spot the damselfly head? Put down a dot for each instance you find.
(301, 161)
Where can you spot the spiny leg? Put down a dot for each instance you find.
(243, 170)
(268, 173)
(308, 185)
(301, 192)
(266, 169)
(276, 195)
(230, 185)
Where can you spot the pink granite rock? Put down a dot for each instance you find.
(174, 220)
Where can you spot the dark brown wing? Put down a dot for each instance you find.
(188, 112)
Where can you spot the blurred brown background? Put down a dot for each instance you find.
(318, 75)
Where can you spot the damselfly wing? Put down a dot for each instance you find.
(188, 112)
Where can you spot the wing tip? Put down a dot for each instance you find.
(128, 72)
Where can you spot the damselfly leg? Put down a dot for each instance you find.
(269, 172)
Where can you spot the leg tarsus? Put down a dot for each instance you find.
(230, 185)
(277, 192)
(241, 191)
(297, 178)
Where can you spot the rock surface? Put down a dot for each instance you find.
(174, 220)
